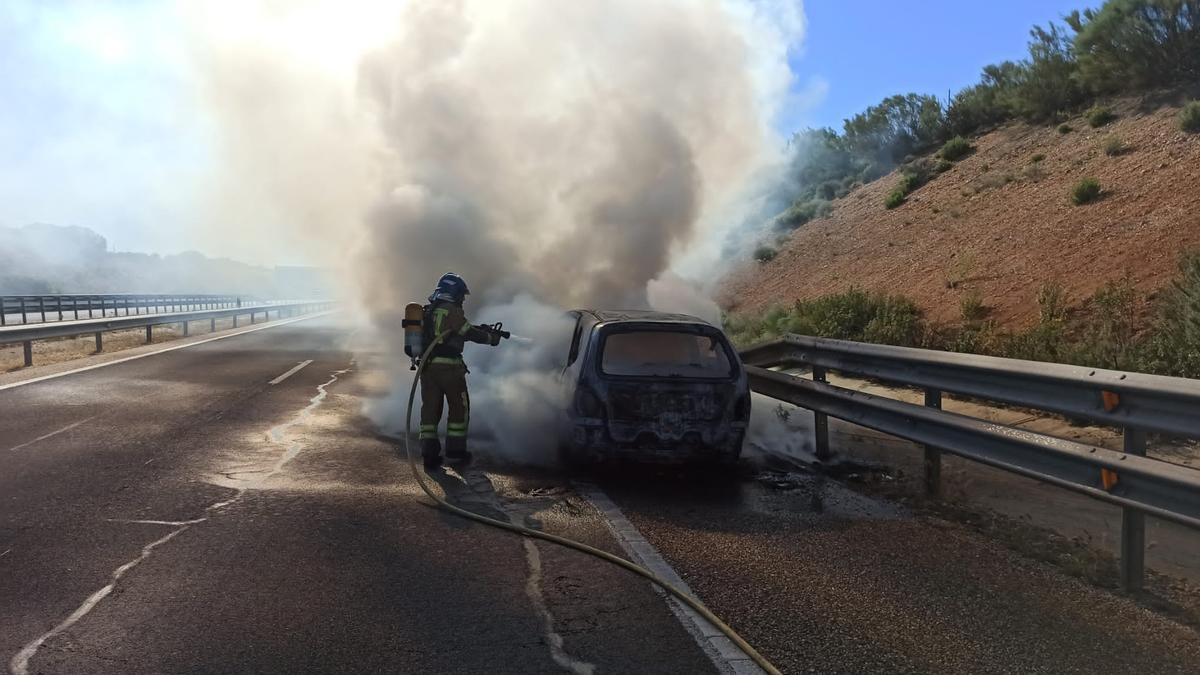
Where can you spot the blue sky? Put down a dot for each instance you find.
(102, 125)
(860, 52)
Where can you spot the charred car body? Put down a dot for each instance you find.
(652, 386)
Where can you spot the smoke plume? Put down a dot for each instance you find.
(556, 154)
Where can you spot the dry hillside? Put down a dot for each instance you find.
(1001, 225)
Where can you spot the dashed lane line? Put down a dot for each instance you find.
(52, 433)
(295, 369)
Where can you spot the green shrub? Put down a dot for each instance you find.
(910, 182)
(1037, 158)
(1099, 116)
(971, 306)
(1043, 342)
(1065, 128)
(943, 166)
(1052, 302)
(1107, 334)
(956, 148)
(1174, 344)
(1113, 145)
(765, 254)
(1085, 191)
(894, 198)
(1189, 117)
(800, 213)
(853, 315)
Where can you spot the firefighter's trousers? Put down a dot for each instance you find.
(443, 380)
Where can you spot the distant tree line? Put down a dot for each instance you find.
(1124, 47)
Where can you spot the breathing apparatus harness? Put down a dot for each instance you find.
(419, 360)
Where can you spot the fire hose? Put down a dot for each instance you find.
(563, 541)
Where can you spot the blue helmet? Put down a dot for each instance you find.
(450, 287)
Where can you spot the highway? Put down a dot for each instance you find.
(225, 507)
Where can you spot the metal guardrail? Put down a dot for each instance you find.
(24, 309)
(27, 334)
(1136, 402)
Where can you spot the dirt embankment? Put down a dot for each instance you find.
(1001, 224)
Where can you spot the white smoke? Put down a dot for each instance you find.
(556, 154)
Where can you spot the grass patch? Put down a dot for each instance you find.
(1113, 145)
(1038, 158)
(1189, 118)
(1099, 116)
(956, 148)
(1085, 191)
(1065, 128)
(971, 306)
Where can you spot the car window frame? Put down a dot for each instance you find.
(707, 330)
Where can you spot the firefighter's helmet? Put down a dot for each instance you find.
(450, 287)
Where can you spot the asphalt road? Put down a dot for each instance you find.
(180, 513)
(257, 527)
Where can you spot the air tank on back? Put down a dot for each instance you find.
(413, 331)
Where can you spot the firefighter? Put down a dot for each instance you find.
(445, 374)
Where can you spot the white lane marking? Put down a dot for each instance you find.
(291, 372)
(52, 433)
(135, 357)
(5, 553)
(19, 665)
(725, 655)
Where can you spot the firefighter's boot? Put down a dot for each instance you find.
(456, 451)
(431, 453)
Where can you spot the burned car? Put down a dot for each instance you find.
(652, 386)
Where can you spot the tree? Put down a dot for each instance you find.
(1048, 82)
(1137, 44)
(981, 105)
(896, 127)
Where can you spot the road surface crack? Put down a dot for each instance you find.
(19, 665)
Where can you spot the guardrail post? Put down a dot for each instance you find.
(251, 317)
(28, 349)
(1133, 525)
(212, 325)
(933, 456)
(42, 308)
(3, 317)
(99, 342)
(185, 329)
(820, 421)
(149, 334)
(235, 320)
(24, 319)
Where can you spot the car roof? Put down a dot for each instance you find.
(619, 315)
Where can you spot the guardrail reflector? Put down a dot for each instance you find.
(1111, 400)
(1109, 477)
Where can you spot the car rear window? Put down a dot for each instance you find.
(665, 353)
